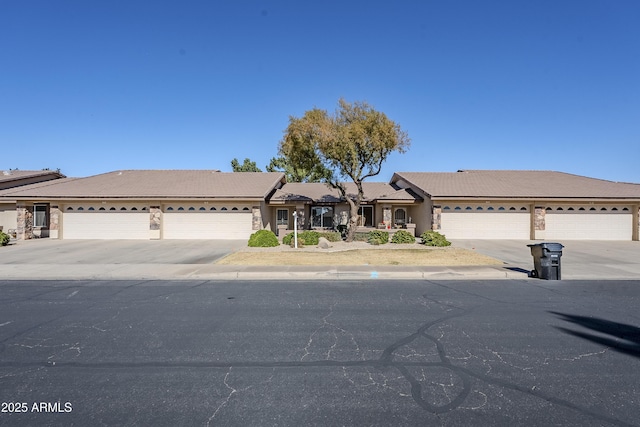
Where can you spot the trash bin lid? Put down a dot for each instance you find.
(552, 246)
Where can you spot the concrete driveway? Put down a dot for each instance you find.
(70, 252)
(195, 259)
(581, 259)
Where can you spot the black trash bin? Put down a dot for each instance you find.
(546, 260)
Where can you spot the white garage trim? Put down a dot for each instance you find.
(207, 222)
(486, 222)
(105, 221)
(588, 223)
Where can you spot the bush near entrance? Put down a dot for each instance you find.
(263, 239)
(402, 236)
(433, 238)
(311, 237)
(4, 239)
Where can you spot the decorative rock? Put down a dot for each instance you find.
(323, 243)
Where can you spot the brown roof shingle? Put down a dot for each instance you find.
(158, 184)
(518, 183)
(322, 193)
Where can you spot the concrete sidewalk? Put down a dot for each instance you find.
(195, 260)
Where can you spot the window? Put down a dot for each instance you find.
(366, 216)
(91, 208)
(202, 208)
(245, 209)
(234, 209)
(282, 217)
(40, 215)
(400, 217)
(322, 216)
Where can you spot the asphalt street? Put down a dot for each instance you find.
(371, 352)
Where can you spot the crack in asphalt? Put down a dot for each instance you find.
(389, 360)
(385, 362)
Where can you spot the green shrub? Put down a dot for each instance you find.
(402, 236)
(332, 236)
(310, 237)
(361, 236)
(381, 236)
(292, 243)
(433, 238)
(4, 239)
(263, 239)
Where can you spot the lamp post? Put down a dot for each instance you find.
(295, 229)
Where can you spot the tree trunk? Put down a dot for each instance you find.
(353, 220)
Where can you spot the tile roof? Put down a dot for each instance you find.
(516, 184)
(160, 184)
(322, 193)
(12, 178)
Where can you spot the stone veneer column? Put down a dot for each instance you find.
(24, 230)
(539, 222)
(436, 218)
(386, 216)
(54, 221)
(256, 220)
(155, 222)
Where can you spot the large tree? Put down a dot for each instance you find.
(247, 166)
(351, 144)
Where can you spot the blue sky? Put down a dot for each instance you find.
(95, 86)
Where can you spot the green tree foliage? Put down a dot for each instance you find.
(293, 173)
(350, 144)
(247, 166)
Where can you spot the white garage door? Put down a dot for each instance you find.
(482, 222)
(592, 223)
(105, 225)
(8, 217)
(207, 224)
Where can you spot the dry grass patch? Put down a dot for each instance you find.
(430, 257)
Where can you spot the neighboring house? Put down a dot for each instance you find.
(148, 204)
(539, 205)
(320, 207)
(17, 178)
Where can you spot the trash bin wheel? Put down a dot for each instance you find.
(533, 273)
